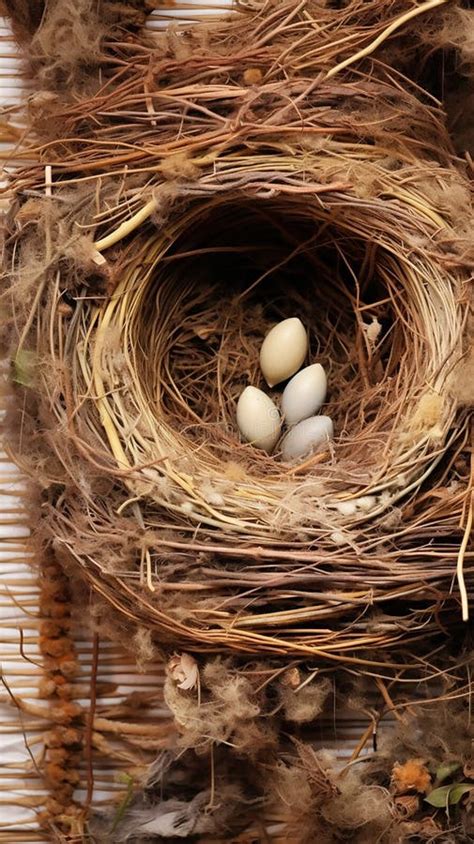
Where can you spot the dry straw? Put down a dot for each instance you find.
(205, 184)
(192, 189)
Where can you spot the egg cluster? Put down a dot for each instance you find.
(260, 422)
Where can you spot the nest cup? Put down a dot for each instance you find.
(180, 339)
(228, 536)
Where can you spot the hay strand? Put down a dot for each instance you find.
(334, 199)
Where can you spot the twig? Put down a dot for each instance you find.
(127, 227)
(401, 21)
(466, 538)
(89, 729)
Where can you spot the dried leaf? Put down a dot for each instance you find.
(23, 365)
(183, 668)
(407, 805)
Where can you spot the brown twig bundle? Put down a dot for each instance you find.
(208, 183)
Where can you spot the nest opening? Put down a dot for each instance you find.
(226, 281)
(181, 338)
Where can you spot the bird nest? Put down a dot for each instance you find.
(166, 262)
(205, 536)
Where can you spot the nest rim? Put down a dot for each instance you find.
(424, 282)
(185, 532)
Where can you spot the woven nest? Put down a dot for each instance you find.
(333, 200)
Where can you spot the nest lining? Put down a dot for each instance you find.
(177, 343)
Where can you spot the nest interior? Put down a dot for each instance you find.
(181, 340)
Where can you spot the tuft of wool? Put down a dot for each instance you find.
(305, 704)
(46, 19)
(227, 710)
(143, 647)
(359, 806)
(292, 787)
(413, 775)
(292, 790)
(179, 167)
(26, 16)
(179, 798)
(437, 734)
(429, 414)
(176, 819)
(64, 39)
(458, 33)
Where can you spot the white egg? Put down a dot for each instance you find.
(258, 418)
(307, 436)
(283, 350)
(304, 394)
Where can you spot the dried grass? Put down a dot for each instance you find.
(316, 181)
(205, 184)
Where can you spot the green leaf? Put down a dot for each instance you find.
(23, 365)
(445, 771)
(448, 795)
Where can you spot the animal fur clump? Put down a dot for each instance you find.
(305, 704)
(360, 809)
(436, 735)
(51, 242)
(428, 415)
(323, 804)
(290, 789)
(64, 37)
(229, 711)
(143, 647)
(413, 775)
(179, 167)
(178, 800)
(457, 32)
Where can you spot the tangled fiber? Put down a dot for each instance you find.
(193, 188)
(247, 753)
(180, 194)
